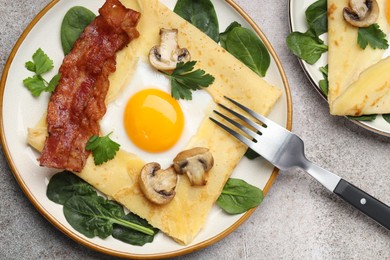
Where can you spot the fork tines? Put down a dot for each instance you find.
(250, 132)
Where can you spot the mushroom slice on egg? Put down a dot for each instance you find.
(196, 163)
(361, 13)
(158, 185)
(166, 55)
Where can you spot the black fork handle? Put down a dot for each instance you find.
(364, 202)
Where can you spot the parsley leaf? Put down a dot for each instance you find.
(184, 79)
(30, 66)
(373, 36)
(40, 64)
(35, 84)
(103, 148)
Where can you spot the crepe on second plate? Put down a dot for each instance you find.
(348, 92)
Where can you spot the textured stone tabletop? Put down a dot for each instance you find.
(298, 219)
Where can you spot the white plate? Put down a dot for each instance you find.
(298, 23)
(21, 110)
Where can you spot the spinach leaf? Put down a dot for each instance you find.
(373, 36)
(386, 117)
(238, 196)
(247, 47)
(317, 17)
(324, 83)
(306, 46)
(363, 117)
(131, 236)
(73, 24)
(223, 36)
(200, 13)
(64, 185)
(91, 215)
(94, 216)
(251, 154)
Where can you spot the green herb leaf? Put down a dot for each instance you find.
(184, 80)
(131, 236)
(386, 117)
(363, 117)
(182, 68)
(30, 66)
(247, 47)
(103, 148)
(64, 185)
(324, 83)
(35, 84)
(200, 13)
(373, 36)
(73, 24)
(223, 36)
(40, 64)
(317, 17)
(93, 215)
(238, 196)
(53, 83)
(251, 154)
(306, 46)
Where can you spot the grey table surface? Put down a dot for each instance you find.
(298, 219)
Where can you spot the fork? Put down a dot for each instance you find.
(285, 150)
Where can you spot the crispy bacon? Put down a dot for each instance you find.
(78, 102)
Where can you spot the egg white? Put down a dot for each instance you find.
(146, 77)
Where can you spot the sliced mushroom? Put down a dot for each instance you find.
(158, 185)
(166, 55)
(196, 163)
(361, 13)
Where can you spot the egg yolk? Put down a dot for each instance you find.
(153, 120)
(388, 11)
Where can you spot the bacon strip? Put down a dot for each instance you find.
(78, 102)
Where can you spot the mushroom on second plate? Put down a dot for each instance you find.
(158, 185)
(166, 55)
(196, 163)
(361, 13)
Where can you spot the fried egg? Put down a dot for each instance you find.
(145, 120)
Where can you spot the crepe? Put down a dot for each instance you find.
(346, 62)
(370, 94)
(185, 215)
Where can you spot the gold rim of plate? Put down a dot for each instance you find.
(77, 237)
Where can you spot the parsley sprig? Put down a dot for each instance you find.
(373, 36)
(103, 148)
(40, 64)
(184, 80)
